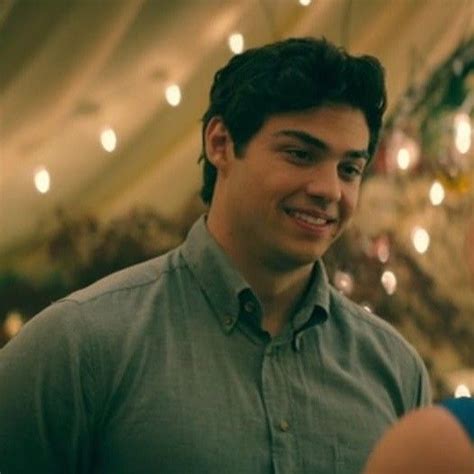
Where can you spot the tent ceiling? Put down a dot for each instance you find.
(69, 69)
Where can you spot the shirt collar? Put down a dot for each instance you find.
(216, 275)
(227, 290)
(314, 308)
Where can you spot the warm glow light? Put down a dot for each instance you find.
(367, 307)
(236, 43)
(383, 253)
(420, 239)
(305, 3)
(437, 193)
(13, 323)
(108, 139)
(344, 282)
(403, 152)
(462, 132)
(403, 158)
(462, 391)
(389, 281)
(173, 95)
(382, 249)
(42, 180)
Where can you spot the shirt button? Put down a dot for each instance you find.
(269, 351)
(228, 321)
(249, 306)
(284, 426)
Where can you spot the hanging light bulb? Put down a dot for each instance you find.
(420, 239)
(42, 180)
(389, 281)
(108, 139)
(305, 3)
(462, 132)
(437, 193)
(173, 95)
(236, 43)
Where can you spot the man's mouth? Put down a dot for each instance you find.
(313, 218)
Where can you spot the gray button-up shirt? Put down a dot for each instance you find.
(163, 368)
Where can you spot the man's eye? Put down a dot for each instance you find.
(351, 171)
(298, 154)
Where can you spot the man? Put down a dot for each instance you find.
(232, 353)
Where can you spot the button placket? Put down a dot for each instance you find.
(229, 322)
(276, 399)
(284, 426)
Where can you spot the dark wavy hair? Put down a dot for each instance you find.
(290, 75)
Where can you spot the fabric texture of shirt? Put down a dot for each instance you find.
(163, 368)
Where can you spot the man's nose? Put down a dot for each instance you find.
(325, 182)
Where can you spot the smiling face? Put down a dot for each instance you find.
(294, 189)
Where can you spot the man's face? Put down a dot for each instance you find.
(294, 189)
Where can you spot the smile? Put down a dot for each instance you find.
(315, 223)
(311, 218)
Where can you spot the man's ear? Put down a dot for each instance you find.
(218, 143)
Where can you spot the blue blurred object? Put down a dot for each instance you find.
(463, 409)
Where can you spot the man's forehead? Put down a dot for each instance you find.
(341, 124)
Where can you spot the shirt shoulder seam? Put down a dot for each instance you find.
(160, 274)
(381, 325)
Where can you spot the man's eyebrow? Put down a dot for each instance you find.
(316, 142)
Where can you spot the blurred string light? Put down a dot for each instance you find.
(382, 248)
(305, 3)
(437, 193)
(389, 281)
(403, 152)
(407, 156)
(108, 139)
(462, 391)
(367, 307)
(344, 282)
(420, 239)
(236, 43)
(13, 323)
(462, 132)
(173, 95)
(42, 180)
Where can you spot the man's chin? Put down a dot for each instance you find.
(291, 261)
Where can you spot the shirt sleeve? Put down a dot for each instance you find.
(46, 419)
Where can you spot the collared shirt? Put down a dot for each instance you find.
(164, 368)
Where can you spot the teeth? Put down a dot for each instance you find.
(309, 219)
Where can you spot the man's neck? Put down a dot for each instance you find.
(279, 289)
(279, 292)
